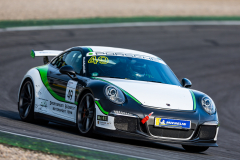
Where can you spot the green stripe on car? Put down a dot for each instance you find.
(43, 70)
(100, 107)
(194, 100)
(90, 49)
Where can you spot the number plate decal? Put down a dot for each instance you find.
(70, 91)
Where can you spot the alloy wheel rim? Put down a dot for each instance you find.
(86, 113)
(26, 100)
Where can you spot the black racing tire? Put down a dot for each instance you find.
(85, 115)
(26, 102)
(195, 149)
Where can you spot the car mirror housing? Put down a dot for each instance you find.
(186, 83)
(68, 70)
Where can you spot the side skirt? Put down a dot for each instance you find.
(53, 119)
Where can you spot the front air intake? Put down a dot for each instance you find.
(207, 132)
(125, 123)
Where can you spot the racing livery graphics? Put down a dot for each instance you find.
(118, 92)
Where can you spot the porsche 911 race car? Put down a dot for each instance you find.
(118, 92)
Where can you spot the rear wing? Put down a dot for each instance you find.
(45, 54)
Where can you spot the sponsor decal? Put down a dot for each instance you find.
(172, 123)
(56, 104)
(72, 84)
(59, 110)
(103, 123)
(69, 107)
(101, 60)
(43, 99)
(102, 118)
(63, 108)
(69, 112)
(39, 93)
(84, 69)
(43, 104)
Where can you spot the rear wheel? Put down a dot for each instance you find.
(86, 114)
(194, 148)
(26, 102)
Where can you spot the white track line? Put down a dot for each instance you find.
(114, 25)
(71, 145)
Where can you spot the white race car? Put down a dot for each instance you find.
(118, 92)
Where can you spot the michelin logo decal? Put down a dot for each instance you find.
(172, 123)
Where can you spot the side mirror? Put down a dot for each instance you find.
(68, 70)
(186, 83)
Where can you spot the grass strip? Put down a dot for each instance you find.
(58, 149)
(98, 20)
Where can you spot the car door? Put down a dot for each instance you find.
(65, 90)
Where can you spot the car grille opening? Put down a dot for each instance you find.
(207, 132)
(168, 132)
(125, 123)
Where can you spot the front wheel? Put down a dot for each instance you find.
(26, 102)
(85, 115)
(195, 149)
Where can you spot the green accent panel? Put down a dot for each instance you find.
(32, 54)
(43, 70)
(100, 107)
(194, 100)
(64, 151)
(90, 53)
(120, 89)
(90, 49)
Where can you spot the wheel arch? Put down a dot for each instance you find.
(28, 76)
(84, 91)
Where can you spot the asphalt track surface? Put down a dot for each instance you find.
(208, 55)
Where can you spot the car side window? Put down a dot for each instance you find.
(72, 58)
(77, 63)
(59, 61)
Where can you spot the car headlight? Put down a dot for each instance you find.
(208, 105)
(114, 94)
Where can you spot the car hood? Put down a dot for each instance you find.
(156, 95)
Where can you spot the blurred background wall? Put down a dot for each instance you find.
(55, 9)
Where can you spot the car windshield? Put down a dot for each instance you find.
(130, 68)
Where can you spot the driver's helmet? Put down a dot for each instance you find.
(138, 70)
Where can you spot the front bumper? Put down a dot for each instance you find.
(200, 134)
